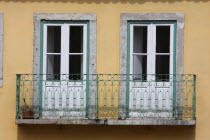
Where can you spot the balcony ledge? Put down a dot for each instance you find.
(105, 122)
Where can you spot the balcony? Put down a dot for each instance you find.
(110, 99)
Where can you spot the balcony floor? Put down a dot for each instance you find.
(106, 122)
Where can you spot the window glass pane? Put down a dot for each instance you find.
(139, 67)
(162, 67)
(140, 39)
(75, 67)
(54, 39)
(76, 39)
(53, 67)
(163, 39)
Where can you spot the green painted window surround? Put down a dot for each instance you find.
(129, 22)
(41, 53)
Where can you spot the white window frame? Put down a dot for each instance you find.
(64, 69)
(151, 47)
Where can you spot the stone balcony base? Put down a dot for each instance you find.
(105, 122)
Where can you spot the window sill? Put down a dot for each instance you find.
(84, 121)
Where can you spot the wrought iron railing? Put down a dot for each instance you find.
(105, 96)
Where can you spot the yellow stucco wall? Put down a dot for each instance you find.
(18, 58)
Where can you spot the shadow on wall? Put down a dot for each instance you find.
(107, 1)
(97, 132)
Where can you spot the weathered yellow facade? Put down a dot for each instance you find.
(18, 58)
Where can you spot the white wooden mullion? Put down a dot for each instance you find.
(63, 48)
(53, 53)
(75, 53)
(67, 48)
(171, 47)
(131, 51)
(153, 50)
(152, 69)
(162, 53)
(84, 48)
(149, 50)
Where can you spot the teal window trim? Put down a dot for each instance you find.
(129, 22)
(174, 67)
(41, 67)
(42, 22)
(87, 68)
(128, 70)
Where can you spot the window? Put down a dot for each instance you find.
(65, 43)
(151, 66)
(64, 62)
(151, 50)
(65, 50)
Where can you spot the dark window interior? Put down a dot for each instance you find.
(162, 67)
(139, 46)
(53, 39)
(75, 67)
(76, 39)
(162, 46)
(76, 46)
(140, 39)
(163, 39)
(53, 46)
